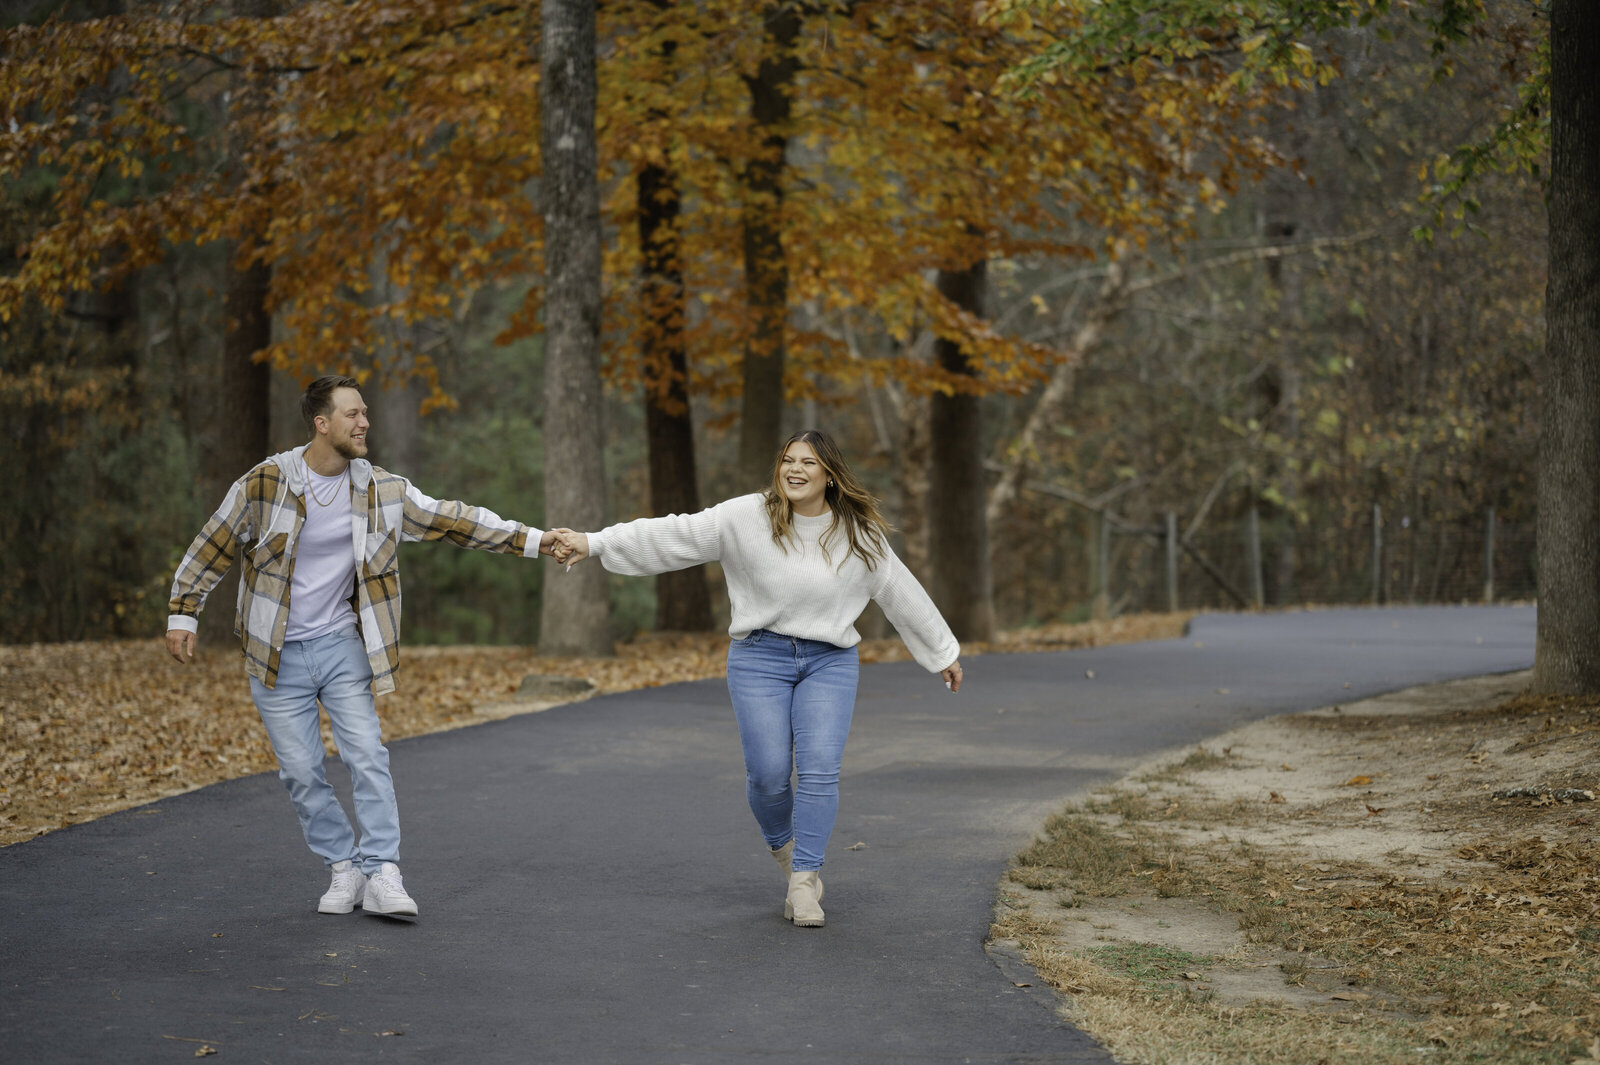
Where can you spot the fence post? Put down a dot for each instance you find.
(1258, 592)
(1100, 603)
(1488, 556)
(1171, 539)
(1377, 554)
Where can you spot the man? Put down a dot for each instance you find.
(317, 529)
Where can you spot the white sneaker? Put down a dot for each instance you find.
(346, 890)
(386, 893)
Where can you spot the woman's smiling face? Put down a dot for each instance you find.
(804, 480)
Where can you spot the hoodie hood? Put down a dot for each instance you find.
(293, 465)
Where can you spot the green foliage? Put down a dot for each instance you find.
(1279, 40)
(488, 452)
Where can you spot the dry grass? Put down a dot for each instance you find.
(1493, 956)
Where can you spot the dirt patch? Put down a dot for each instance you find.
(1394, 879)
(87, 729)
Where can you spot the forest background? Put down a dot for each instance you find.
(1236, 283)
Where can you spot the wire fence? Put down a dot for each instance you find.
(1104, 566)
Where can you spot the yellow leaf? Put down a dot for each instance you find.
(1251, 44)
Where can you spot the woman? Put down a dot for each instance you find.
(801, 560)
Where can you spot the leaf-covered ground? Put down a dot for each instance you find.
(1414, 877)
(87, 729)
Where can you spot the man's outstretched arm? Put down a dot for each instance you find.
(467, 526)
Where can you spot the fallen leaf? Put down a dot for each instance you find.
(1275, 797)
(1286, 767)
(857, 846)
(387, 1032)
(1015, 983)
(1594, 1054)
(1222, 691)
(1350, 996)
(1191, 976)
(1356, 782)
(1374, 811)
(205, 1052)
(1089, 673)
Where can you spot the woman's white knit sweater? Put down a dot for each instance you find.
(793, 588)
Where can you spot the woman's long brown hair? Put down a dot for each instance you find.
(852, 505)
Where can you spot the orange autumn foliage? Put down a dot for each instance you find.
(402, 140)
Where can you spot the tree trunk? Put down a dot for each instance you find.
(575, 618)
(395, 397)
(244, 386)
(244, 405)
(915, 463)
(958, 534)
(397, 418)
(1567, 658)
(244, 408)
(1285, 276)
(683, 602)
(766, 273)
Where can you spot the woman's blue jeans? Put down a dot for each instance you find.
(333, 669)
(794, 699)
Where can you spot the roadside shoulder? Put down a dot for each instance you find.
(1409, 874)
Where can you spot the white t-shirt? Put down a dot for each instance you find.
(325, 562)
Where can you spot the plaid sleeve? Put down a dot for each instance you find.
(211, 553)
(462, 524)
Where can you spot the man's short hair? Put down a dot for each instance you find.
(317, 401)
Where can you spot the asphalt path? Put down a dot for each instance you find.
(593, 889)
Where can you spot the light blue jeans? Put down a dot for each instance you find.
(794, 699)
(334, 669)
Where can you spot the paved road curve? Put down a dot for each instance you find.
(594, 891)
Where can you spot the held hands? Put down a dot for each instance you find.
(952, 677)
(569, 547)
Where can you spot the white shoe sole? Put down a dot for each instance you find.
(396, 909)
(326, 907)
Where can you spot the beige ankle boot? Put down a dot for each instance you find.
(784, 855)
(804, 904)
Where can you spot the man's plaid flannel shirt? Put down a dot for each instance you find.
(260, 522)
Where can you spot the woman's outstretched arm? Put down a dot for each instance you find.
(646, 546)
